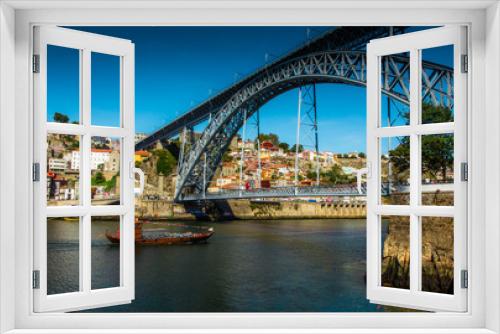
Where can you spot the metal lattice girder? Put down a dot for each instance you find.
(347, 67)
(339, 38)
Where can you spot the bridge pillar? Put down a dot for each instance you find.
(307, 123)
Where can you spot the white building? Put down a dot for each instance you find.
(57, 164)
(97, 157)
(248, 145)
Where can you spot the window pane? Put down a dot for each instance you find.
(395, 170)
(63, 84)
(437, 85)
(395, 90)
(105, 90)
(437, 254)
(63, 169)
(105, 170)
(437, 169)
(63, 255)
(105, 252)
(395, 251)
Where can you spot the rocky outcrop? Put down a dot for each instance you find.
(396, 252)
(437, 254)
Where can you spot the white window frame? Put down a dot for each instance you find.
(16, 21)
(415, 43)
(84, 43)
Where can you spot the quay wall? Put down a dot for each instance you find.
(247, 209)
(161, 210)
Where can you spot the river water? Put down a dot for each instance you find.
(247, 266)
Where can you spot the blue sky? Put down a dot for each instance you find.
(179, 67)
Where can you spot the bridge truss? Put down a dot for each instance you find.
(347, 67)
(338, 38)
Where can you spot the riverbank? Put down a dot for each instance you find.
(249, 210)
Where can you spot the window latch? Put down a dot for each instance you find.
(36, 279)
(464, 279)
(36, 172)
(464, 171)
(465, 64)
(36, 63)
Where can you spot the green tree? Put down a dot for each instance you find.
(400, 159)
(284, 146)
(173, 146)
(293, 149)
(437, 150)
(437, 155)
(272, 137)
(226, 157)
(61, 118)
(362, 155)
(336, 176)
(111, 184)
(98, 179)
(311, 174)
(166, 162)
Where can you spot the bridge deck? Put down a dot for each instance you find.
(278, 192)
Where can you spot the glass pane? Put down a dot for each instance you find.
(395, 251)
(63, 169)
(395, 90)
(105, 260)
(105, 90)
(437, 254)
(63, 84)
(437, 85)
(105, 170)
(395, 170)
(437, 169)
(63, 255)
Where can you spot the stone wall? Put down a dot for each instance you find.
(161, 209)
(245, 209)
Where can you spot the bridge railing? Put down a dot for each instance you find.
(290, 191)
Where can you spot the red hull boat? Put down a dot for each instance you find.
(163, 237)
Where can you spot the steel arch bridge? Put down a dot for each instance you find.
(338, 38)
(198, 166)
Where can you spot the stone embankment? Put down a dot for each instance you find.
(246, 209)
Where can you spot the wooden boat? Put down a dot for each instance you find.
(164, 237)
